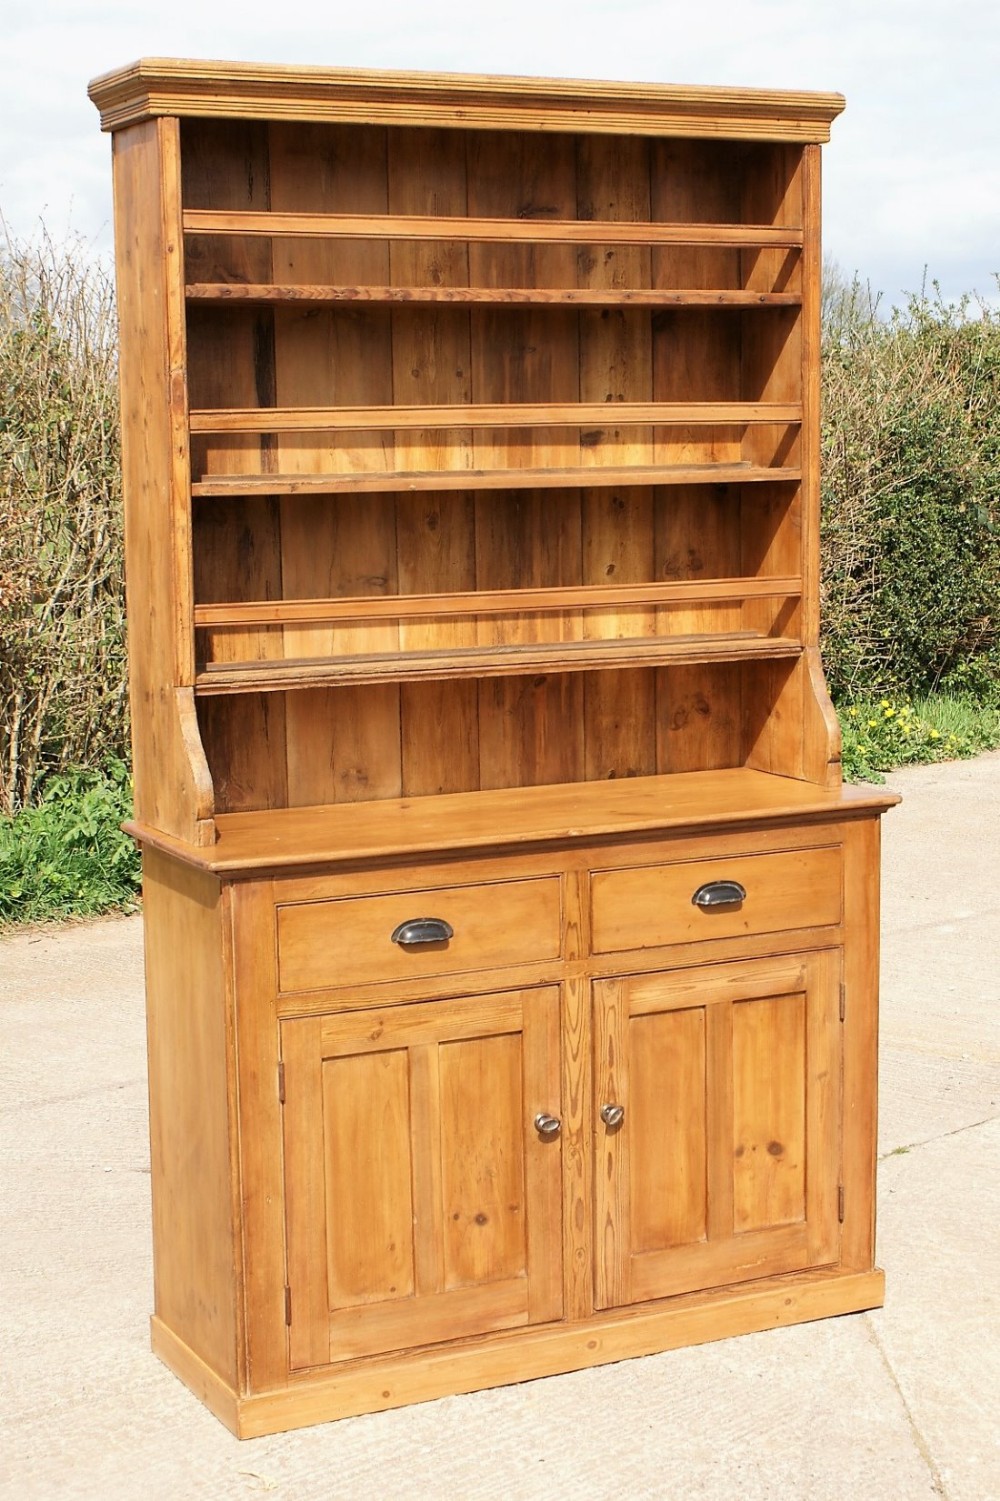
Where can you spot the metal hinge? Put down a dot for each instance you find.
(281, 1083)
(840, 1202)
(843, 1000)
(288, 1306)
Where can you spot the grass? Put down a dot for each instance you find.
(66, 855)
(881, 734)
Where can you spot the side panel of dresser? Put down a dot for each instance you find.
(862, 843)
(191, 1118)
(173, 787)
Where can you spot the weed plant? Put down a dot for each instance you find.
(881, 734)
(66, 855)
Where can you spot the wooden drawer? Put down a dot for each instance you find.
(651, 905)
(348, 941)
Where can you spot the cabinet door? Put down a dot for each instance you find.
(724, 1165)
(422, 1203)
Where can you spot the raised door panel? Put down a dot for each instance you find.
(724, 1165)
(421, 1203)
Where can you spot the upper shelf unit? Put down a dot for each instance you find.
(486, 411)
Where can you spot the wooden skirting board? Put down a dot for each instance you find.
(426, 1374)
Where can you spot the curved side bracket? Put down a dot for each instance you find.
(174, 792)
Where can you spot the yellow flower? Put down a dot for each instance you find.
(852, 711)
(889, 713)
(884, 704)
(872, 723)
(933, 735)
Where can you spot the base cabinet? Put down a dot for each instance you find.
(440, 1181)
(422, 1145)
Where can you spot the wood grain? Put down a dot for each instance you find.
(173, 789)
(430, 296)
(511, 659)
(499, 412)
(185, 86)
(479, 228)
(338, 749)
(259, 1160)
(323, 943)
(196, 1225)
(730, 1078)
(654, 904)
(860, 1045)
(358, 483)
(769, 1109)
(431, 1202)
(435, 533)
(370, 1224)
(522, 1354)
(667, 1130)
(516, 817)
(305, 1197)
(496, 602)
(236, 546)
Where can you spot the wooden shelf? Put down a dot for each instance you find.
(277, 675)
(251, 293)
(373, 482)
(690, 593)
(287, 838)
(493, 415)
(498, 231)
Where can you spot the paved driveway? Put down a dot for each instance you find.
(903, 1403)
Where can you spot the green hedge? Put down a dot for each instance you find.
(911, 516)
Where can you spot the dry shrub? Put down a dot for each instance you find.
(62, 603)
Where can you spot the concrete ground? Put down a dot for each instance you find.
(901, 1403)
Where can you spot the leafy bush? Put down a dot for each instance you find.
(62, 603)
(67, 854)
(911, 495)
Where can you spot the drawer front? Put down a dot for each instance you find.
(348, 941)
(651, 905)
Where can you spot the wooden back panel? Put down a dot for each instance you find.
(327, 745)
